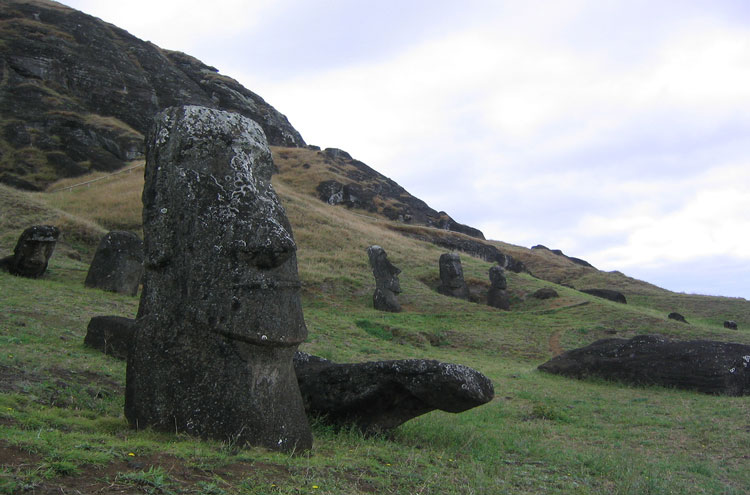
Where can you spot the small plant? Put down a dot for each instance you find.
(547, 412)
(374, 329)
(153, 480)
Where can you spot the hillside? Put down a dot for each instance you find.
(61, 417)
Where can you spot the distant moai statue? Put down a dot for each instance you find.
(497, 296)
(32, 252)
(452, 281)
(220, 316)
(118, 263)
(387, 286)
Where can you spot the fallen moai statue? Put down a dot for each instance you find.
(220, 315)
(719, 368)
(32, 252)
(610, 294)
(118, 263)
(380, 395)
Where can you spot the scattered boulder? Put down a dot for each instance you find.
(381, 395)
(711, 367)
(110, 334)
(32, 252)
(387, 285)
(497, 296)
(545, 293)
(730, 324)
(220, 315)
(677, 317)
(452, 276)
(118, 263)
(610, 294)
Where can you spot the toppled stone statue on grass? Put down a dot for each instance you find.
(452, 281)
(118, 263)
(220, 316)
(32, 252)
(387, 286)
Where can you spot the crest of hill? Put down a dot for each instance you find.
(77, 94)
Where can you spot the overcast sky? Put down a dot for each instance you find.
(617, 131)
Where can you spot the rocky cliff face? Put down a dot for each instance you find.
(77, 94)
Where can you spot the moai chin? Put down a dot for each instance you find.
(220, 316)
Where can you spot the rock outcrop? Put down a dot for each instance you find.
(577, 261)
(220, 315)
(78, 94)
(118, 263)
(545, 293)
(111, 335)
(452, 281)
(711, 367)
(381, 395)
(387, 286)
(32, 252)
(497, 296)
(609, 294)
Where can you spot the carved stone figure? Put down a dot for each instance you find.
(387, 286)
(32, 252)
(452, 277)
(220, 315)
(118, 263)
(497, 296)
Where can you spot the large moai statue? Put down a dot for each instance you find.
(32, 252)
(220, 316)
(387, 286)
(452, 277)
(118, 263)
(497, 296)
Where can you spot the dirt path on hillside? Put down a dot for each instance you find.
(554, 344)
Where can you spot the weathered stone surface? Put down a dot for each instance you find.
(118, 263)
(32, 252)
(706, 366)
(610, 294)
(76, 86)
(112, 335)
(387, 285)
(381, 395)
(677, 317)
(730, 324)
(577, 261)
(497, 296)
(545, 293)
(220, 315)
(452, 281)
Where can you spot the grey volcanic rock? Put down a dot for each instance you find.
(730, 324)
(677, 317)
(577, 261)
(706, 366)
(220, 315)
(545, 293)
(112, 335)
(79, 94)
(118, 263)
(387, 286)
(497, 296)
(610, 294)
(452, 281)
(32, 252)
(381, 395)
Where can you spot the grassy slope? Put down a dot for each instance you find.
(61, 406)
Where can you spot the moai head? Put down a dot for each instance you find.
(386, 275)
(33, 251)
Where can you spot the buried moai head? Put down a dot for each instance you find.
(387, 285)
(452, 276)
(220, 315)
(497, 278)
(33, 251)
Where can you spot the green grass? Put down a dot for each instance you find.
(61, 404)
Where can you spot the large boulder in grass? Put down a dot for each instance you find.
(112, 335)
(719, 368)
(32, 252)
(730, 324)
(452, 281)
(380, 395)
(676, 317)
(610, 294)
(387, 286)
(118, 263)
(220, 315)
